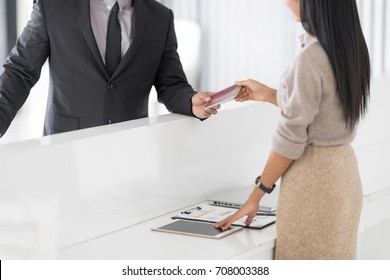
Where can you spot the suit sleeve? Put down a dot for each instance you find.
(171, 83)
(23, 66)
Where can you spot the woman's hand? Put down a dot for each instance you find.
(253, 90)
(250, 209)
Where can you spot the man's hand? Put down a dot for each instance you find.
(199, 102)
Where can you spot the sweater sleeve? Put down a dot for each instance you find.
(299, 97)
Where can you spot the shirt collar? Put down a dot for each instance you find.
(123, 4)
(306, 39)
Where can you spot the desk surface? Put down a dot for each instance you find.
(140, 242)
(96, 193)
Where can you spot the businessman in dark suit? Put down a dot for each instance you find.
(98, 75)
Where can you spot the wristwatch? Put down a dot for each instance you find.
(262, 187)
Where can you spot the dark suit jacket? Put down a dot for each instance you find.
(81, 94)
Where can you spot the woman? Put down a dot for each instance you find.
(323, 95)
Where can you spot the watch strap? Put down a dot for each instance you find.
(260, 185)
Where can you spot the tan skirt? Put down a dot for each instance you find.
(319, 205)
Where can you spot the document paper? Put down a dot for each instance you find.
(213, 214)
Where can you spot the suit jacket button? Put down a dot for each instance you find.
(110, 86)
(108, 121)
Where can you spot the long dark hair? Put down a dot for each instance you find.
(337, 26)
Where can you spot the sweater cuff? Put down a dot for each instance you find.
(287, 148)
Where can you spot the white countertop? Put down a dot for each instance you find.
(95, 193)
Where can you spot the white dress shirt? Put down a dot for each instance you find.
(100, 13)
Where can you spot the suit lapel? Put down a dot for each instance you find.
(138, 29)
(84, 20)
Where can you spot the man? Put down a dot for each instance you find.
(104, 57)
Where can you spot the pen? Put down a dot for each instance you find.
(265, 214)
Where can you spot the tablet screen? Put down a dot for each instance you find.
(196, 229)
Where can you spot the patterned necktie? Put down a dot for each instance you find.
(114, 41)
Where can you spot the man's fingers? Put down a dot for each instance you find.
(206, 114)
(205, 96)
(207, 99)
(212, 111)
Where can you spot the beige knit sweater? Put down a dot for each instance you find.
(310, 109)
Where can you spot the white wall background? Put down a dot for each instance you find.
(239, 40)
(257, 38)
(376, 27)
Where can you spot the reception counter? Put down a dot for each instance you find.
(96, 193)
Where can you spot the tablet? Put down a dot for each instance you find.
(195, 228)
(223, 96)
